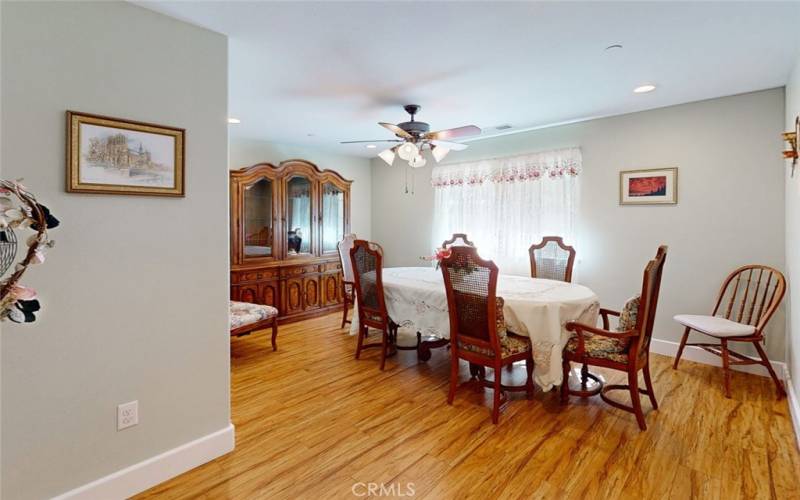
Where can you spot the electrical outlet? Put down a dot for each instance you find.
(127, 415)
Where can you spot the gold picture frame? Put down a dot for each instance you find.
(108, 155)
(654, 186)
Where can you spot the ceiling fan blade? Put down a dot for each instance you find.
(371, 142)
(453, 133)
(454, 146)
(396, 130)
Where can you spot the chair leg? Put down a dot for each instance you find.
(451, 394)
(680, 349)
(275, 334)
(649, 384)
(362, 332)
(726, 367)
(765, 359)
(529, 379)
(384, 346)
(565, 382)
(633, 384)
(345, 304)
(497, 390)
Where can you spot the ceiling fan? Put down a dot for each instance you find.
(414, 137)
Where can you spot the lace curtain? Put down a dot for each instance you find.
(506, 204)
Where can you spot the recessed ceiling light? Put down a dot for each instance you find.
(642, 89)
(614, 47)
(371, 146)
(234, 120)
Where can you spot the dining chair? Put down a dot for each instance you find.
(348, 299)
(464, 241)
(626, 349)
(478, 332)
(751, 295)
(551, 259)
(367, 261)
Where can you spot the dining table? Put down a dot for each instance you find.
(537, 308)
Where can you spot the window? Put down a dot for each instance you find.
(505, 205)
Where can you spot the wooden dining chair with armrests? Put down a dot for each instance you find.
(551, 259)
(458, 239)
(626, 349)
(367, 261)
(348, 293)
(750, 295)
(478, 332)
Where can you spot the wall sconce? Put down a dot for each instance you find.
(792, 138)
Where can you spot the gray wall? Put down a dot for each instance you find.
(244, 153)
(135, 293)
(730, 207)
(793, 235)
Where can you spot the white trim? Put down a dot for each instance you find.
(155, 470)
(794, 406)
(697, 354)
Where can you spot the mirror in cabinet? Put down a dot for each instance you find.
(299, 208)
(333, 217)
(258, 220)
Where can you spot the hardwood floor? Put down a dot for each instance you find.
(312, 422)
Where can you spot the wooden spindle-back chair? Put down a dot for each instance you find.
(348, 297)
(367, 261)
(477, 332)
(627, 350)
(458, 239)
(747, 299)
(552, 259)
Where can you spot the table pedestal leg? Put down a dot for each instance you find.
(584, 383)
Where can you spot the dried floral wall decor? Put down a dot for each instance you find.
(19, 211)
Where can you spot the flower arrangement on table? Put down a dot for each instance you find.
(20, 210)
(438, 256)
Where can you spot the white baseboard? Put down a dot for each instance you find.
(697, 354)
(155, 470)
(794, 407)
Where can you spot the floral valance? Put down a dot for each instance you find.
(553, 164)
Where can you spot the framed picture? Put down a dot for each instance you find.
(115, 156)
(658, 186)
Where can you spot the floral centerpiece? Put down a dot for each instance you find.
(439, 255)
(20, 210)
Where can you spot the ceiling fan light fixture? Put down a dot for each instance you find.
(439, 152)
(417, 161)
(387, 155)
(407, 151)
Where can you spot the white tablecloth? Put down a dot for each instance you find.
(536, 308)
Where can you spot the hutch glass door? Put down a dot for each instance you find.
(258, 227)
(332, 217)
(298, 215)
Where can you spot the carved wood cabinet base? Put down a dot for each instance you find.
(285, 223)
(298, 291)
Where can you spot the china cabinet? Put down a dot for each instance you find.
(285, 223)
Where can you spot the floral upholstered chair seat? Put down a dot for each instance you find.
(598, 346)
(245, 313)
(510, 344)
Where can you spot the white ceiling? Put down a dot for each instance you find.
(322, 72)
